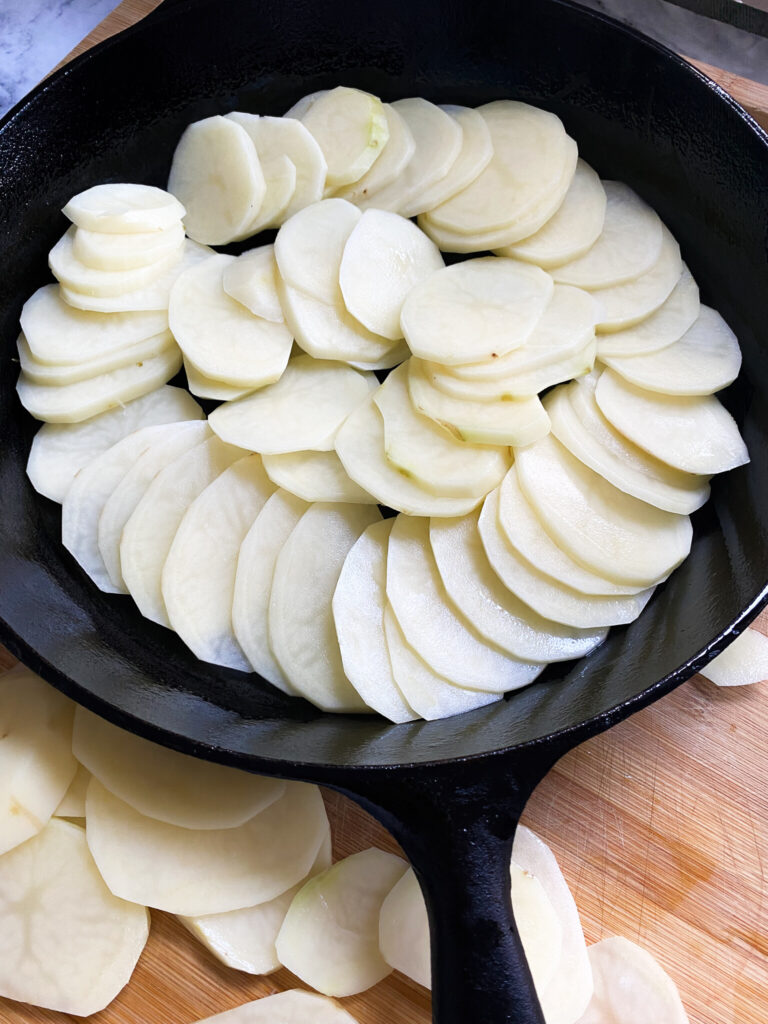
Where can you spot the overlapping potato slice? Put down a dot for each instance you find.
(743, 662)
(291, 1007)
(315, 476)
(122, 208)
(666, 325)
(72, 804)
(76, 276)
(623, 305)
(388, 165)
(404, 930)
(351, 128)
(474, 156)
(309, 247)
(631, 987)
(113, 252)
(57, 375)
(252, 281)
(205, 387)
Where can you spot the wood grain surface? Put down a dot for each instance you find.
(660, 825)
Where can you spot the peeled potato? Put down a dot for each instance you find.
(124, 209)
(350, 127)
(51, 374)
(389, 164)
(251, 280)
(743, 662)
(315, 476)
(309, 247)
(206, 387)
(663, 327)
(72, 804)
(111, 252)
(474, 156)
(80, 277)
(404, 930)
(280, 183)
(626, 304)
(291, 1007)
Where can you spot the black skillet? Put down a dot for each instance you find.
(450, 791)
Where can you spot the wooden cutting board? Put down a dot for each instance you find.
(660, 825)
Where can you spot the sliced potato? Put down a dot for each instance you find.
(630, 987)
(309, 247)
(300, 107)
(59, 451)
(211, 871)
(395, 355)
(36, 760)
(291, 1007)
(666, 325)
(330, 935)
(389, 164)
(217, 175)
(479, 309)
(216, 390)
(474, 156)
(694, 434)
(404, 930)
(50, 374)
(743, 662)
(624, 305)
(163, 784)
(76, 276)
(124, 209)
(351, 128)
(67, 943)
(315, 476)
(72, 804)
(251, 280)
(538, 923)
(111, 252)
(280, 183)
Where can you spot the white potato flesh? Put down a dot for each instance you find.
(280, 184)
(124, 208)
(525, 181)
(110, 252)
(198, 577)
(51, 374)
(497, 615)
(743, 662)
(538, 925)
(574, 227)
(479, 309)
(630, 987)
(430, 695)
(205, 387)
(395, 355)
(300, 107)
(389, 164)
(580, 426)
(59, 451)
(663, 327)
(474, 156)
(384, 258)
(545, 594)
(330, 935)
(629, 245)
(291, 1007)
(315, 476)
(706, 359)
(79, 277)
(426, 453)
(566, 326)
(692, 433)
(251, 281)
(253, 582)
(604, 529)
(73, 403)
(276, 137)
(358, 612)
(302, 411)
(217, 175)
(350, 127)
(67, 943)
(151, 527)
(73, 802)
(519, 421)
(223, 339)
(36, 760)
(433, 627)
(360, 444)
(194, 872)
(437, 140)
(624, 305)
(302, 634)
(163, 784)
(309, 247)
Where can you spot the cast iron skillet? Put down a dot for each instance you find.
(450, 791)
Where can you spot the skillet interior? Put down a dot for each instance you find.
(637, 113)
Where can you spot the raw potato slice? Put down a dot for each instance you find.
(124, 209)
(539, 926)
(217, 175)
(309, 247)
(431, 696)
(330, 935)
(743, 662)
(360, 445)
(428, 454)
(59, 451)
(219, 335)
(518, 422)
(253, 583)
(163, 784)
(36, 760)
(390, 163)
(196, 872)
(474, 156)
(602, 528)
(631, 987)
(206, 387)
(252, 281)
(198, 577)
(73, 802)
(79, 277)
(395, 355)
(300, 107)
(497, 615)
(706, 359)
(404, 930)
(291, 1007)
(627, 304)
(358, 612)
(73, 403)
(315, 476)
(526, 180)
(572, 230)
(280, 183)
(111, 252)
(580, 426)
(437, 632)
(665, 326)
(629, 245)
(301, 630)
(149, 532)
(437, 138)
(301, 411)
(67, 943)
(479, 309)
(694, 434)
(350, 127)
(50, 374)
(546, 595)
(384, 258)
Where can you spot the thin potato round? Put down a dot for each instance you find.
(743, 662)
(474, 156)
(624, 305)
(389, 164)
(351, 128)
(48, 373)
(112, 252)
(309, 247)
(315, 476)
(76, 276)
(251, 280)
(291, 1007)
(205, 387)
(630, 987)
(124, 209)
(663, 327)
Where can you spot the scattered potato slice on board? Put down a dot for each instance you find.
(474, 156)
(315, 476)
(404, 930)
(66, 943)
(389, 164)
(291, 1007)
(215, 390)
(161, 783)
(58, 375)
(111, 252)
(744, 661)
(330, 935)
(666, 325)
(124, 208)
(624, 305)
(309, 247)
(79, 277)
(73, 802)
(251, 280)
(36, 760)
(351, 128)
